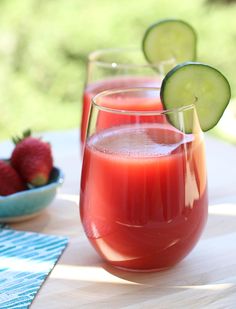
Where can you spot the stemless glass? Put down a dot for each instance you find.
(118, 68)
(144, 200)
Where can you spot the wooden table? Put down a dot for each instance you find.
(205, 279)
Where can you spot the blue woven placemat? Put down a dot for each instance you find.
(26, 259)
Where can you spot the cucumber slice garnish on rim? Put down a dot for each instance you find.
(199, 84)
(169, 39)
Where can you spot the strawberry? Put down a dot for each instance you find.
(32, 158)
(10, 181)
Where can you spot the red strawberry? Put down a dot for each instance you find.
(10, 181)
(32, 158)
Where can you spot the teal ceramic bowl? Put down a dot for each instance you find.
(26, 204)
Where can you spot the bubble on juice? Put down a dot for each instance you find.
(146, 140)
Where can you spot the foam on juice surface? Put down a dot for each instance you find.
(143, 140)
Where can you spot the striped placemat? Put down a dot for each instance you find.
(26, 259)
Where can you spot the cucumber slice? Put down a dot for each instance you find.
(169, 40)
(199, 84)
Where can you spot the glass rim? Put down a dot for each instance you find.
(133, 112)
(93, 58)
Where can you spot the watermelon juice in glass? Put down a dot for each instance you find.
(119, 68)
(143, 201)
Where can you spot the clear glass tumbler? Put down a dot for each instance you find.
(118, 68)
(144, 200)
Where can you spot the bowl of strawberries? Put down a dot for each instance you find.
(28, 179)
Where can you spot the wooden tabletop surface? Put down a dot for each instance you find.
(206, 278)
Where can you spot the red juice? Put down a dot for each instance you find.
(115, 83)
(144, 205)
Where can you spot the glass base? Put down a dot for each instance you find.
(141, 270)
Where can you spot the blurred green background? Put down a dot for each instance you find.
(44, 44)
